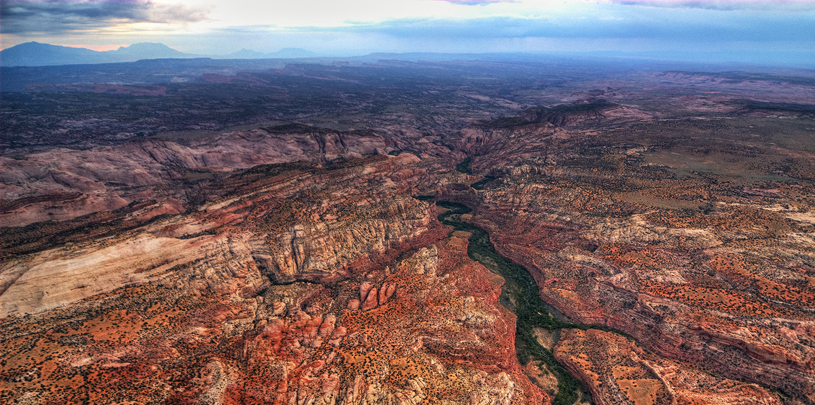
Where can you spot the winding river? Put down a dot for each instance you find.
(519, 295)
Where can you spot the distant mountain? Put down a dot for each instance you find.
(285, 53)
(148, 50)
(37, 54)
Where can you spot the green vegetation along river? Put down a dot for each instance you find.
(519, 295)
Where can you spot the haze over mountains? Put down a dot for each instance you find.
(39, 54)
(283, 53)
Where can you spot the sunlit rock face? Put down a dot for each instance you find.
(287, 288)
(667, 218)
(616, 370)
(709, 273)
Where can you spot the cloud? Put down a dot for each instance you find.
(654, 24)
(726, 5)
(477, 2)
(52, 16)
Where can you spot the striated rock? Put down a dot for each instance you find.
(278, 308)
(364, 289)
(618, 371)
(50, 279)
(82, 182)
(188, 304)
(370, 301)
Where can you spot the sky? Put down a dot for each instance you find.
(348, 27)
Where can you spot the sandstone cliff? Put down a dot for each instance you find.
(284, 286)
(61, 184)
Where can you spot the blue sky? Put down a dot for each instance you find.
(336, 27)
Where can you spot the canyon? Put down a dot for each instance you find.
(462, 232)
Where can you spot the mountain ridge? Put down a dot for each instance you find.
(42, 54)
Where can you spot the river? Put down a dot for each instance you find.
(519, 295)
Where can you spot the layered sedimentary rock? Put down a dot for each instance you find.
(263, 225)
(280, 288)
(702, 271)
(617, 371)
(61, 184)
(292, 264)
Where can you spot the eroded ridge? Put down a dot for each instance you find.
(272, 295)
(257, 241)
(710, 268)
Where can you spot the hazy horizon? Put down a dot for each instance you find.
(749, 31)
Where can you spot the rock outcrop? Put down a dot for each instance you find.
(61, 184)
(717, 286)
(666, 218)
(617, 371)
(279, 288)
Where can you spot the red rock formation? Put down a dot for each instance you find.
(291, 264)
(370, 300)
(145, 169)
(181, 308)
(618, 371)
(713, 290)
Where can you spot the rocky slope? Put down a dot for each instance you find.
(619, 372)
(667, 219)
(61, 184)
(710, 269)
(284, 286)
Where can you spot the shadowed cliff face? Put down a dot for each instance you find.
(619, 372)
(705, 267)
(289, 286)
(667, 219)
(62, 184)
(292, 226)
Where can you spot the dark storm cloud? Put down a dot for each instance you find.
(726, 5)
(63, 16)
